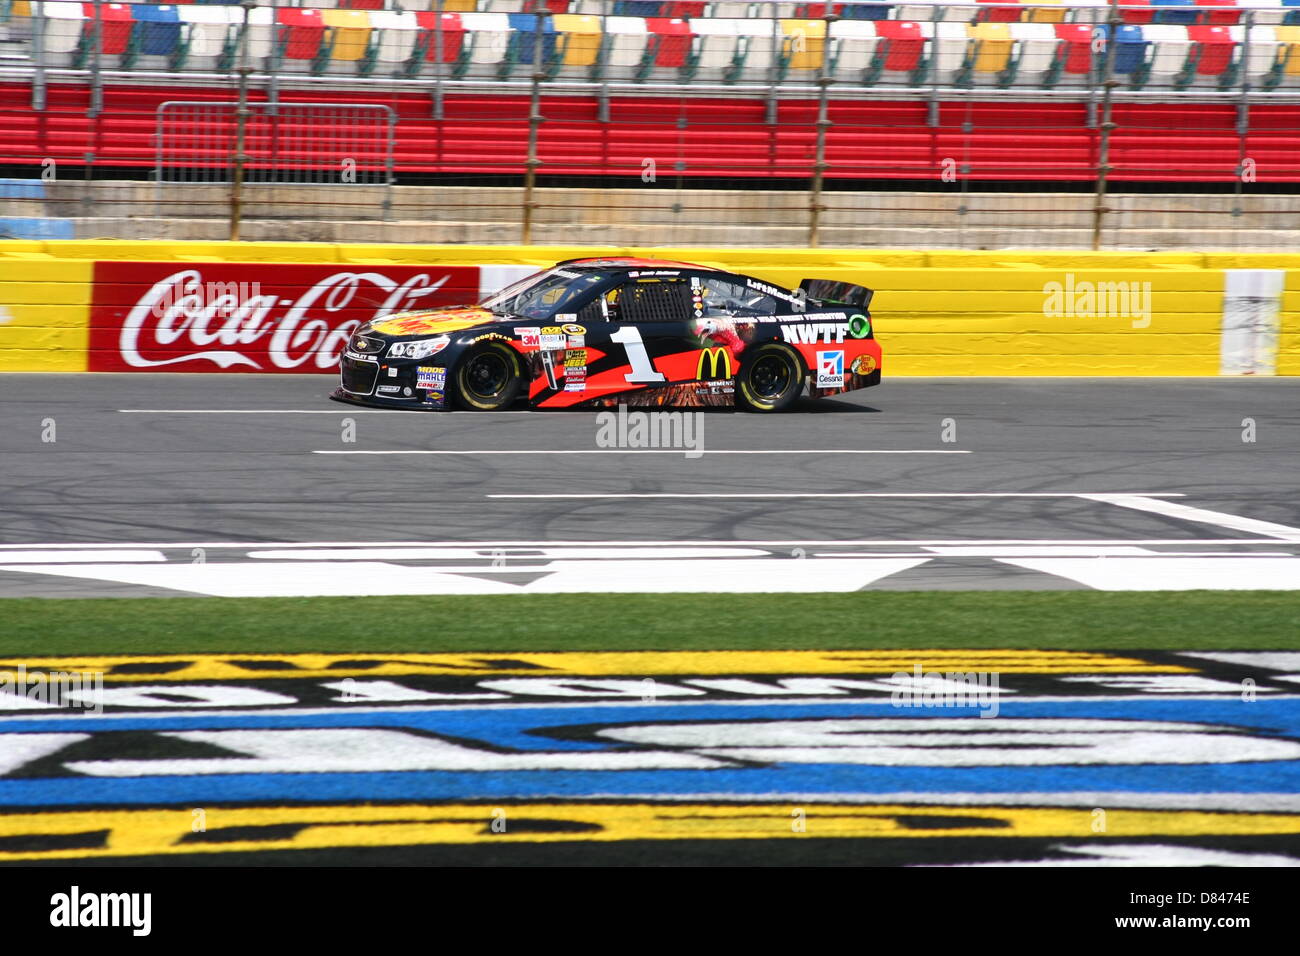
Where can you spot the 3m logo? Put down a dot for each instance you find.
(716, 357)
(830, 369)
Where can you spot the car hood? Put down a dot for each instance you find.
(434, 321)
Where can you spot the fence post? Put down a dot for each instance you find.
(815, 207)
(38, 55)
(437, 60)
(534, 121)
(1243, 116)
(241, 123)
(1108, 82)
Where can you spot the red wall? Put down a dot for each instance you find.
(721, 138)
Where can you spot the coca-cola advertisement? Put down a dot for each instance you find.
(251, 316)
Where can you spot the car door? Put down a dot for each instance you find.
(642, 348)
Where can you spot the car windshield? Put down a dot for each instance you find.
(542, 295)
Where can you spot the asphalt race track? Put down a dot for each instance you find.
(1190, 480)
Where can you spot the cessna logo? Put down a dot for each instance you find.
(715, 357)
(811, 333)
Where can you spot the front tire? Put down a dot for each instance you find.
(489, 378)
(770, 379)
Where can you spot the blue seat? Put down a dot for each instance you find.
(1185, 12)
(523, 28)
(157, 29)
(636, 8)
(1130, 49)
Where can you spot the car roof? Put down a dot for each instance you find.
(622, 262)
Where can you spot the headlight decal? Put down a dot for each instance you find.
(421, 348)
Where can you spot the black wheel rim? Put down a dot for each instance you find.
(770, 377)
(487, 375)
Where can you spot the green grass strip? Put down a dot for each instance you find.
(1072, 620)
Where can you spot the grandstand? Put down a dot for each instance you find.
(1140, 125)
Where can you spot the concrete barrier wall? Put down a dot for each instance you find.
(86, 306)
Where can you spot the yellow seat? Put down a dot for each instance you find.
(21, 8)
(351, 30)
(1289, 37)
(459, 6)
(1041, 15)
(805, 43)
(582, 38)
(993, 45)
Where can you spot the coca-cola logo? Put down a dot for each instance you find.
(182, 318)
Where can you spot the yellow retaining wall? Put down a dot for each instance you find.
(936, 313)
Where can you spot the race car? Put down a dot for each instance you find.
(620, 331)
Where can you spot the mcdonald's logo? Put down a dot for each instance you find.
(716, 356)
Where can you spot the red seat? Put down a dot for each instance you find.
(553, 6)
(114, 26)
(815, 11)
(453, 35)
(1137, 16)
(1002, 13)
(1220, 16)
(361, 4)
(906, 43)
(1077, 38)
(672, 40)
(301, 32)
(1216, 49)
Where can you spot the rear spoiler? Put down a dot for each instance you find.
(844, 293)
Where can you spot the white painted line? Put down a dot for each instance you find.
(822, 494)
(354, 578)
(690, 542)
(698, 453)
(1201, 515)
(1160, 573)
(57, 556)
(473, 551)
(1068, 551)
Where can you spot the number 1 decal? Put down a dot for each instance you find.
(643, 370)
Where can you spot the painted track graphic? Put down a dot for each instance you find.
(1151, 758)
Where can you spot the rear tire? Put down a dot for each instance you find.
(489, 378)
(771, 378)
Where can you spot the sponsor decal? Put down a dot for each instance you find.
(864, 365)
(389, 390)
(440, 320)
(716, 360)
(572, 329)
(491, 337)
(392, 372)
(575, 358)
(240, 317)
(830, 369)
(529, 338)
(859, 326)
(400, 750)
(813, 333)
(552, 338)
(355, 357)
(431, 376)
